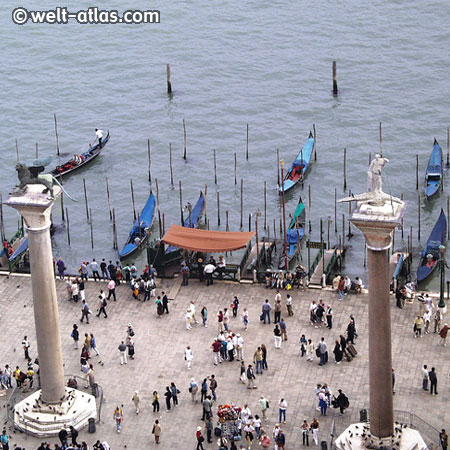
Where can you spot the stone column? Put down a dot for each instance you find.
(380, 361)
(35, 208)
(378, 234)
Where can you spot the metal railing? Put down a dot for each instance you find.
(315, 263)
(429, 433)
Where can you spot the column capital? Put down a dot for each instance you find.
(34, 206)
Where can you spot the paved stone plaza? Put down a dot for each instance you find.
(160, 344)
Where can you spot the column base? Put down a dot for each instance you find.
(358, 437)
(40, 419)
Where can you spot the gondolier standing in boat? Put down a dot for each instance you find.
(99, 134)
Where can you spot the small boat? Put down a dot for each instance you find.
(431, 255)
(80, 160)
(434, 173)
(300, 166)
(192, 219)
(296, 230)
(138, 233)
(13, 248)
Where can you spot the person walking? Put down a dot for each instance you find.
(425, 377)
(443, 335)
(322, 347)
(282, 410)
(118, 417)
(75, 335)
(185, 273)
(213, 386)
(204, 314)
(4, 440)
(443, 438)
(216, 346)
(239, 347)
(245, 319)
(342, 402)
(155, 401)
(249, 431)
(329, 316)
(277, 336)
(337, 352)
(305, 432)
(315, 430)
(266, 308)
(84, 312)
(264, 405)
(310, 350)
(283, 328)
(130, 346)
(156, 431)
(235, 306)
(200, 438)
(418, 325)
(341, 287)
(303, 343)
(209, 428)
(193, 389)
(26, 347)
(102, 305)
(188, 357)
(61, 268)
(207, 407)
(174, 391)
(94, 344)
(250, 377)
(433, 381)
(73, 436)
(82, 289)
(123, 353)
(168, 395)
(289, 305)
(264, 363)
(281, 440)
(258, 360)
(277, 310)
(111, 289)
(136, 400)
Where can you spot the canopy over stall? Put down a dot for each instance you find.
(205, 240)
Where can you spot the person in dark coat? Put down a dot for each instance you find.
(341, 402)
(400, 297)
(74, 435)
(337, 352)
(433, 381)
(351, 332)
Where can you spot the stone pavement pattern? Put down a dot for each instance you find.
(160, 344)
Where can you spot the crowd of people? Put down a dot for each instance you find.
(229, 347)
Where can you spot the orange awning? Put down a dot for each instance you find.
(206, 241)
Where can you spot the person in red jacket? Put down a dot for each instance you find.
(216, 345)
(200, 439)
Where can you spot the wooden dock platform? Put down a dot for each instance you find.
(316, 278)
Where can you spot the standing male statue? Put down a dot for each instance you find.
(374, 182)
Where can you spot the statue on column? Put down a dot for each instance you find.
(374, 181)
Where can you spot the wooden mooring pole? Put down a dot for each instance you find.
(68, 226)
(226, 221)
(335, 210)
(246, 146)
(185, 140)
(278, 167)
(242, 204)
(381, 140)
(417, 172)
(159, 210)
(62, 199)
(265, 205)
(218, 208)
(335, 86)
(115, 243)
(418, 217)
(170, 165)
(37, 150)
(56, 134)
(309, 208)
(86, 199)
(235, 168)
(17, 151)
(345, 169)
(215, 167)
(108, 198)
(206, 196)
(315, 143)
(181, 203)
(92, 228)
(169, 82)
(132, 199)
(149, 161)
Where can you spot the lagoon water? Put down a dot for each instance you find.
(264, 63)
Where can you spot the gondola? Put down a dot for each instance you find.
(434, 173)
(300, 166)
(140, 231)
(431, 255)
(296, 229)
(80, 160)
(193, 218)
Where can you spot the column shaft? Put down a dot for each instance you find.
(380, 352)
(46, 315)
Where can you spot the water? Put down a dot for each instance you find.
(263, 63)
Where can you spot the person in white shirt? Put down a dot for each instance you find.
(245, 319)
(192, 308)
(277, 296)
(245, 414)
(239, 348)
(208, 271)
(187, 319)
(289, 305)
(282, 410)
(188, 356)
(99, 134)
(221, 266)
